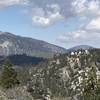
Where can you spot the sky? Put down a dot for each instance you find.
(66, 23)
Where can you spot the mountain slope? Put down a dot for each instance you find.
(12, 44)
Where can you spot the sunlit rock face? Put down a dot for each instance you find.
(5, 48)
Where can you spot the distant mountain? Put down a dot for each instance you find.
(11, 44)
(83, 47)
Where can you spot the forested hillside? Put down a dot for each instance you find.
(71, 76)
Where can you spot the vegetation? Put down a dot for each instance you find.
(8, 76)
(72, 76)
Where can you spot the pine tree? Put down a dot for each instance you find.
(8, 75)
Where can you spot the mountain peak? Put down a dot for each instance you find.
(1, 33)
(84, 47)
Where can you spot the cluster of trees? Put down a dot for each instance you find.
(91, 85)
(86, 80)
(8, 77)
(51, 77)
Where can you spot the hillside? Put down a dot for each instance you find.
(11, 44)
(71, 76)
(63, 77)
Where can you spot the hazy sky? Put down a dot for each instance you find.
(63, 22)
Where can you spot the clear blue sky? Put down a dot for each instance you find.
(53, 23)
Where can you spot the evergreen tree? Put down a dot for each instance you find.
(8, 75)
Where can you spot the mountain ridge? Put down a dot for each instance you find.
(83, 47)
(11, 44)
